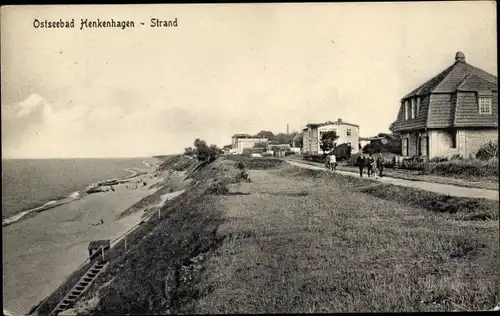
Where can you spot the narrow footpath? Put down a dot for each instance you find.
(446, 189)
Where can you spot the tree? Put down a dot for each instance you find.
(262, 145)
(327, 142)
(297, 139)
(189, 151)
(265, 134)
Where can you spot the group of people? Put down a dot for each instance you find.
(372, 165)
(331, 162)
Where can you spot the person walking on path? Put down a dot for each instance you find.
(361, 164)
(380, 165)
(333, 162)
(369, 166)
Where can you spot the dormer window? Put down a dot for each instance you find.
(484, 101)
(348, 132)
(406, 109)
(418, 106)
(413, 108)
(484, 104)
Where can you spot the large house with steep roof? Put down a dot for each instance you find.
(453, 113)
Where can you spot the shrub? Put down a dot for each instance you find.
(240, 165)
(488, 151)
(413, 163)
(464, 167)
(263, 163)
(314, 158)
(217, 188)
(247, 152)
(439, 159)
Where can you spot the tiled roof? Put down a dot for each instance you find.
(330, 123)
(450, 99)
(451, 78)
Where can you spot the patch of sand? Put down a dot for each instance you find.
(40, 252)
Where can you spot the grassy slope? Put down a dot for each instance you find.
(299, 241)
(340, 250)
(157, 273)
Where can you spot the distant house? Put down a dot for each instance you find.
(280, 150)
(241, 142)
(348, 134)
(453, 113)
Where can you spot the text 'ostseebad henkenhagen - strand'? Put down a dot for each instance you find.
(112, 23)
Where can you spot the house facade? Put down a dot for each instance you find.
(241, 142)
(453, 113)
(347, 134)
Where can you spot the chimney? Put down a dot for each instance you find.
(287, 129)
(339, 120)
(460, 57)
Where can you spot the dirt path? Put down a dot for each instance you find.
(447, 189)
(298, 244)
(415, 175)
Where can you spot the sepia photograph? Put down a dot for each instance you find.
(243, 158)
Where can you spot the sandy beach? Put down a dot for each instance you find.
(41, 251)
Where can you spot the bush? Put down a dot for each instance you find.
(464, 167)
(439, 159)
(488, 151)
(413, 163)
(217, 188)
(240, 165)
(315, 158)
(262, 163)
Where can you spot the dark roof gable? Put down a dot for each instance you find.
(450, 99)
(451, 78)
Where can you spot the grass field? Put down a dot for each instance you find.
(303, 242)
(295, 240)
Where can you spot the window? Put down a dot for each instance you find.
(348, 132)
(412, 108)
(405, 146)
(418, 106)
(484, 105)
(407, 110)
(453, 134)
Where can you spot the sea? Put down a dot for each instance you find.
(30, 185)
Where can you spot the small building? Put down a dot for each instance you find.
(240, 142)
(95, 247)
(280, 150)
(347, 133)
(453, 113)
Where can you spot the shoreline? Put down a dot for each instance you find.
(58, 240)
(74, 196)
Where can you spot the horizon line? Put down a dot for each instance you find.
(80, 157)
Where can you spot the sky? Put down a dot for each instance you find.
(226, 69)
